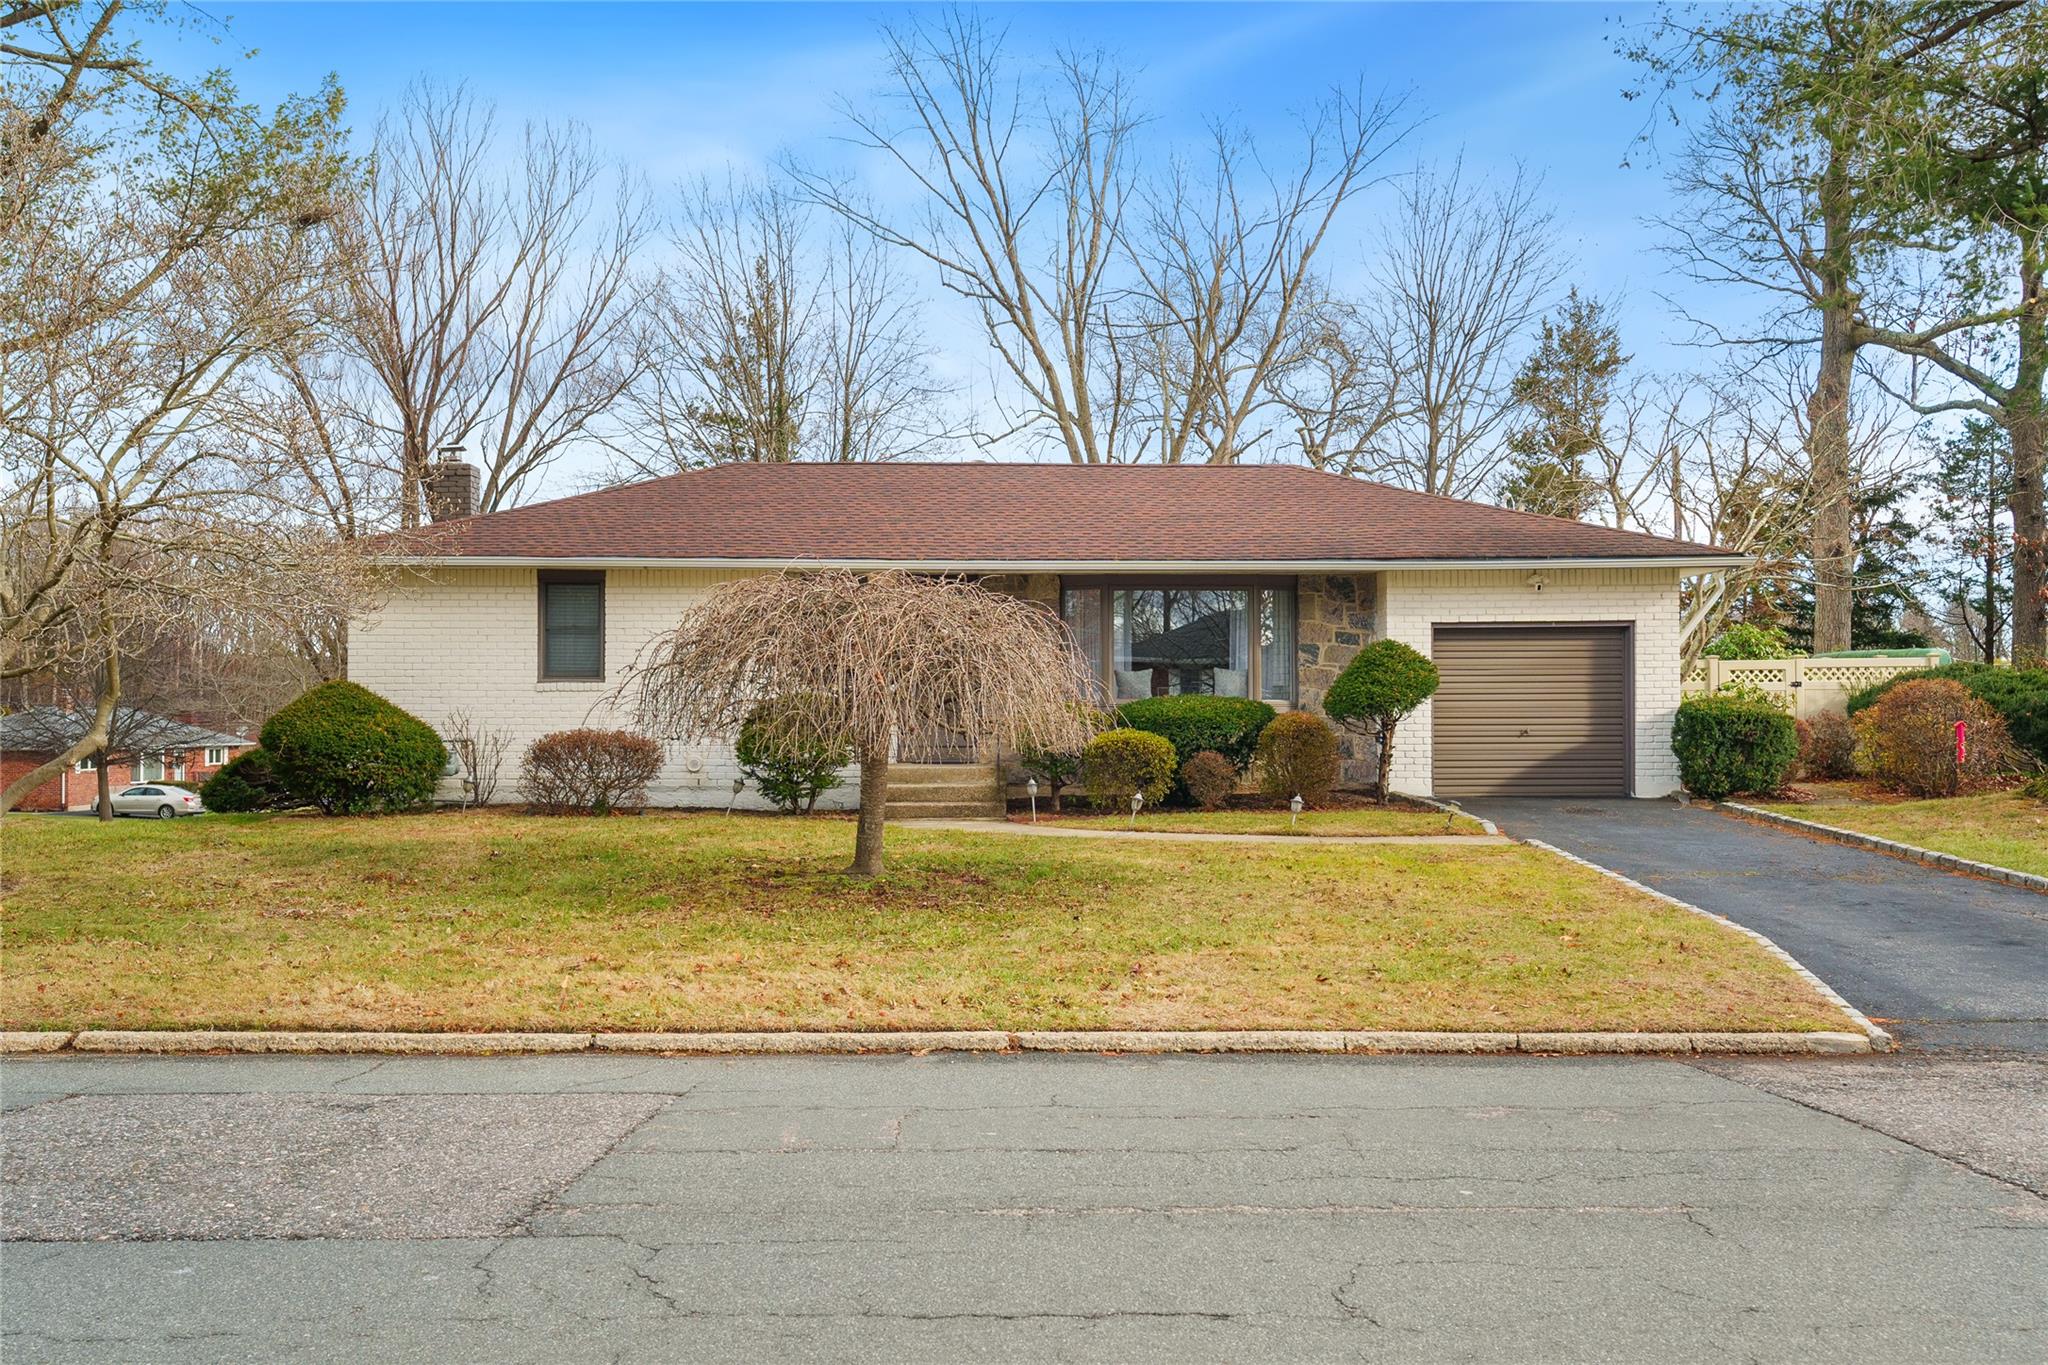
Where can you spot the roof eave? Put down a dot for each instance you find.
(1178, 566)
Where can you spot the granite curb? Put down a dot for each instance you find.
(1313, 1041)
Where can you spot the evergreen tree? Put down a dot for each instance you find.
(1564, 390)
(1970, 522)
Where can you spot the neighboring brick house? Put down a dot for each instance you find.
(1558, 641)
(147, 748)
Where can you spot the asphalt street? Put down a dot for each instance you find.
(1020, 1208)
(1947, 962)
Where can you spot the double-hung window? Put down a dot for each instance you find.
(571, 626)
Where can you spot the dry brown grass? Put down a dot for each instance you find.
(492, 920)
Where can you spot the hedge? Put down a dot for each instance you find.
(348, 751)
(2018, 695)
(1728, 743)
(1119, 762)
(245, 782)
(1196, 721)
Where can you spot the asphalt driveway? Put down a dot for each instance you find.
(1946, 961)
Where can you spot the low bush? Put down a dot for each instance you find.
(1210, 778)
(791, 764)
(1728, 743)
(593, 772)
(1827, 747)
(1058, 769)
(1119, 762)
(345, 749)
(1228, 725)
(245, 782)
(1907, 740)
(2019, 695)
(1297, 756)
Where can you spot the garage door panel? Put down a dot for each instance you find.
(1531, 711)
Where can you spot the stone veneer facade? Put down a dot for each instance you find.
(1334, 616)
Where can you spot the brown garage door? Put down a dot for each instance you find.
(1531, 711)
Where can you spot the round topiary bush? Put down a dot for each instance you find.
(1729, 742)
(245, 782)
(1908, 739)
(787, 759)
(1191, 723)
(348, 751)
(1298, 757)
(1118, 762)
(1379, 687)
(1210, 778)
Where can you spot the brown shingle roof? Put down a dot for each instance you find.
(985, 515)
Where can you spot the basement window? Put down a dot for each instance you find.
(571, 626)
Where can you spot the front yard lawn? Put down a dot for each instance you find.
(695, 922)
(2002, 828)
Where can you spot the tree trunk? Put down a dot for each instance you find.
(874, 795)
(1827, 410)
(1386, 760)
(2026, 423)
(105, 781)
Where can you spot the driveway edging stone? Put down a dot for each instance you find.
(1926, 857)
(1878, 1038)
(1142, 1041)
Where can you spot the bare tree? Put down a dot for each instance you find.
(496, 309)
(481, 750)
(1025, 186)
(856, 661)
(1224, 256)
(1339, 386)
(773, 342)
(1463, 273)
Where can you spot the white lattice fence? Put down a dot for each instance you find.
(1813, 685)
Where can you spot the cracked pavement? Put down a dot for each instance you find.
(957, 1207)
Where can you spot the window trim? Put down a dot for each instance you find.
(546, 578)
(209, 761)
(1254, 584)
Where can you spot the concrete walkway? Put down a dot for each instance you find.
(1941, 960)
(1049, 831)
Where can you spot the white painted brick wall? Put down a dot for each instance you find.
(461, 638)
(1414, 601)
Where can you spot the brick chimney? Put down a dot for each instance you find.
(452, 486)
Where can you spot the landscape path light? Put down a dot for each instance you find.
(739, 784)
(1293, 811)
(1031, 788)
(1137, 800)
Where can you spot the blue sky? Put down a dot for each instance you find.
(679, 89)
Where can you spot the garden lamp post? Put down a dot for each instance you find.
(739, 784)
(1031, 789)
(1137, 800)
(1293, 811)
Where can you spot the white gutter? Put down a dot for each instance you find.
(1072, 566)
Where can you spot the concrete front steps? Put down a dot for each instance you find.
(943, 791)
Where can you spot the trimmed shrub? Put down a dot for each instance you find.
(1298, 757)
(1749, 642)
(348, 751)
(245, 782)
(593, 772)
(1728, 743)
(1119, 762)
(1194, 722)
(792, 768)
(2036, 788)
(1908, 739)
(1210, 779)
(1827, 747)
(2018, 695)
(1379, 687)
(1058, 769)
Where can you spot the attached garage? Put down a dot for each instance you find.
(1531, 710)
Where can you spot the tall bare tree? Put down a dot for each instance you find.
(1224, 251)
(496, 308)
(1025, 186)
(1463, 272)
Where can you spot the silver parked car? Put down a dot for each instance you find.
(160, 799)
